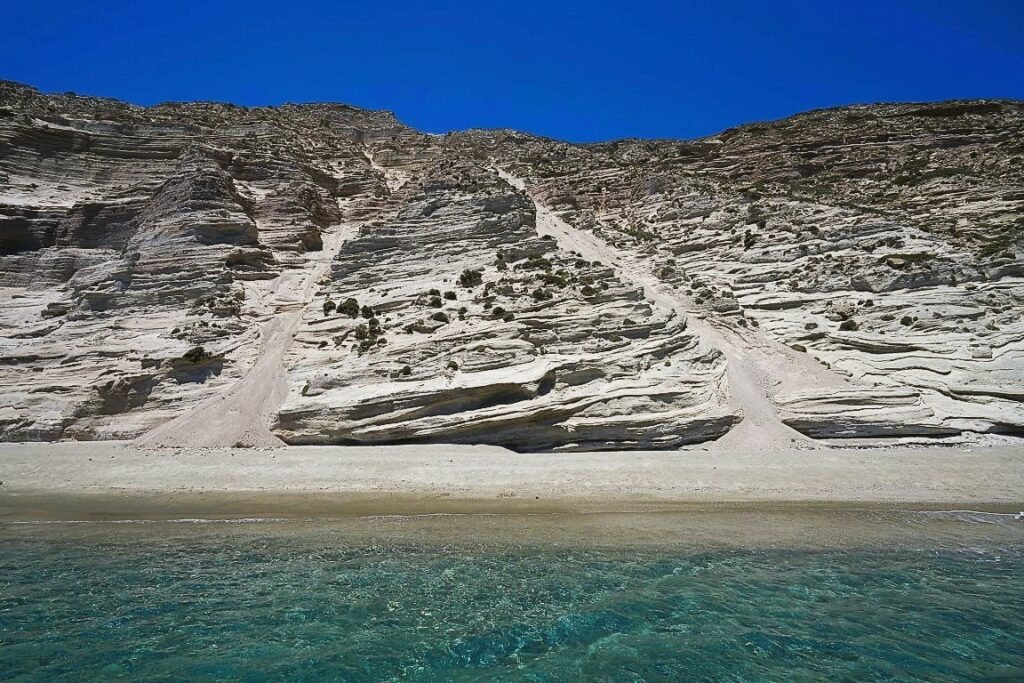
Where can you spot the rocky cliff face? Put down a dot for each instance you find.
(203, 273)
(883, 241)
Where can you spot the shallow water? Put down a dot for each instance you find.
(931, 596)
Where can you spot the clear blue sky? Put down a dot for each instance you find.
(578, 71)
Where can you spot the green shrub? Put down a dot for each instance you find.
(471, 278)
(440, 317)
(535, 262)
(329, 306)
(366, 312)
(349, 308)
(541, 294)
(450, 295)
(452, 365)
(435, 302)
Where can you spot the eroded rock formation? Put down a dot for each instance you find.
(884, 241)
(849, 272)
(458, 323)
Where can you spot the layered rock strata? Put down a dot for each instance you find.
(849, 273)
(451, 320)
(139, 248)
(883, 241)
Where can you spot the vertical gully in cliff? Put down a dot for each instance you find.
(749, 368)
(244, 412)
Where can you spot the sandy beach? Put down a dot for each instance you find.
(117, 480)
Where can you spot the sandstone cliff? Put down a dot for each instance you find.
(210, 274)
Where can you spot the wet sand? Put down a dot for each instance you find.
(109, 480)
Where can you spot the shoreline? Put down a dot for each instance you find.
(117, 480)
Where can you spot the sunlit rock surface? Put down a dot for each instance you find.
(145, 252)
(885, 241)
(466, 326)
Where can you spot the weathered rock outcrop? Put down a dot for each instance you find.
(885, 241)
(860, 269)
(130, 236)
(452, 320)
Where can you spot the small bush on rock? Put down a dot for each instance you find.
(471, 278)
(541, 294)
(536, 261)
(350, 308)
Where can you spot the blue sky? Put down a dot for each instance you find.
(575, 71)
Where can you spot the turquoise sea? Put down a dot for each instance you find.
(904, 596)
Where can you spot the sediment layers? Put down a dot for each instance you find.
(855, 272)
(453, 320)
(883, 241)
